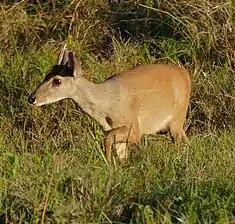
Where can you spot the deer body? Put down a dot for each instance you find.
(143, 100)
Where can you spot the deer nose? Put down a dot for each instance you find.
(32, 99)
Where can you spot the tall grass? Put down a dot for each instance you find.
(52, 164)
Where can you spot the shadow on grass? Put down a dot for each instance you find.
(129, 21)
(199, 202)
(137, 22)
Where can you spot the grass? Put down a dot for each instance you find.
(52, 164)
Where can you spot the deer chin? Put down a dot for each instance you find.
(39, 104)
(46, 101)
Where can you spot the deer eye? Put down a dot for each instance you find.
(56, 82)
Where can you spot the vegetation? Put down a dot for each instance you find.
(52, 164)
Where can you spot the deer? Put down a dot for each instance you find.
(146, 99)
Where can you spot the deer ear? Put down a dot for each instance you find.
(63, 56)
(74, 65)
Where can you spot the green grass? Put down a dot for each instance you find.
(52, 164)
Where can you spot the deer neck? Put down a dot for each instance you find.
(87, 95)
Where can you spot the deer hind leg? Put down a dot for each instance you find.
(121, 137)
(177, 132)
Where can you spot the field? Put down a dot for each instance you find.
(53, 168)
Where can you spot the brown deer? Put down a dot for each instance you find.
(143, 100)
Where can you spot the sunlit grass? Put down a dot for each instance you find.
(51, 158)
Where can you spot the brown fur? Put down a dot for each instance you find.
(143, 100)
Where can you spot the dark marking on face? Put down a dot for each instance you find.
(109, 121)
(60, 70)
